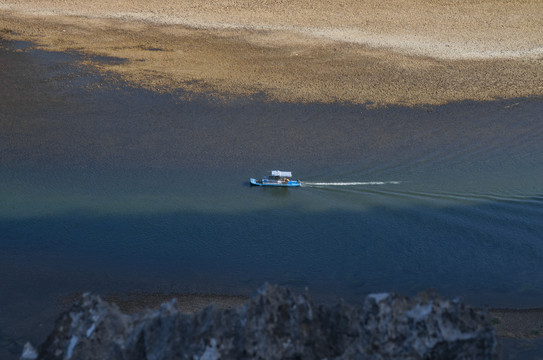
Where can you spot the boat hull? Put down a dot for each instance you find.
(291, 183)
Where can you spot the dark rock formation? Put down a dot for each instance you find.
(275, 324)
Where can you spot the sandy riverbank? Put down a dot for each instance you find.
(402, 52)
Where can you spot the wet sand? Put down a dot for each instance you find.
(408, 53)
(517, 323)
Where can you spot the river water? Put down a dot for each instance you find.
(109, 188)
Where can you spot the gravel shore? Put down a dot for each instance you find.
(401, 52)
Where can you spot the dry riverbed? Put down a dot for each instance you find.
(410, 52)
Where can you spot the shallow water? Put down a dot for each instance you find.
(112, 189)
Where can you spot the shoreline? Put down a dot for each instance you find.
(508, 322)
(389, 55)
(510, 28)
(516, 329)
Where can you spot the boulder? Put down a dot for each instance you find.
(276, 324)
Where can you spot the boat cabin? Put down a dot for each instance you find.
(276, 178)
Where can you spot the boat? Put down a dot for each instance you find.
(277, 178)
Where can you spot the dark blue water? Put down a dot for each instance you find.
(108, 188)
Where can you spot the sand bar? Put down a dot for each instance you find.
(399, 52)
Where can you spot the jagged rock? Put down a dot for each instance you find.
(29, 353)
(276, 324)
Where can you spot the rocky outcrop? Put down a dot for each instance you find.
(276, 324)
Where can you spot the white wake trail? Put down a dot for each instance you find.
(305, 183)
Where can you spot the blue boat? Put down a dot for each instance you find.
(277, 178)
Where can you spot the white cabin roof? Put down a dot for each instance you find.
(281, 173)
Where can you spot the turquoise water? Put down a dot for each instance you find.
(113, 189)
